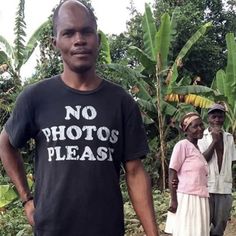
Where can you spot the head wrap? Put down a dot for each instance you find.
(187, 119)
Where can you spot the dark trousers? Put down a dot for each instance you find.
(220, 207)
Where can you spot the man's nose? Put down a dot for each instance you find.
(217, 119)
(79, 38)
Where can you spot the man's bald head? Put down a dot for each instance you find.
(68, 4)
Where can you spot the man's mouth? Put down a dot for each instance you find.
(81, 52)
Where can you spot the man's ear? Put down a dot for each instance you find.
(54, 42)
(99, 40)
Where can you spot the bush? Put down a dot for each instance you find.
(13, 221)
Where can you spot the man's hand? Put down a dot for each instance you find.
(29, 212)
(216, 133)
(139, 188)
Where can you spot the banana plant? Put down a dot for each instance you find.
(157, 44)
(155, 79)
(153, 82)
(13, 57)
(225, 83)
(8, 193)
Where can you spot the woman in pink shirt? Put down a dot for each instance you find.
(188, 213)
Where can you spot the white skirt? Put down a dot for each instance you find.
(191, 218)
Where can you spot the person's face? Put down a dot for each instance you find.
(216, 118)
(77, 38)
(195, 129)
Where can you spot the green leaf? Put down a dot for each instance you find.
(7, 195)
(193, 89)
(230, 69)
(105, 49)
(33, 41)
(3, 58)
(149, 33)
(148, 106)
(220, 78)
(163, 37)
(147, 62)
(194, 38)
(6, 44)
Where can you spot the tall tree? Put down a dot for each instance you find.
(16, 55)
(207, 56)
(12, 58)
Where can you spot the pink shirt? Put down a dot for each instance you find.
(191, 167)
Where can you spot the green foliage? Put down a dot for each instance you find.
(225, 84)
(13, 221)
(50, 62)
(18, 54)
(19, 29)
(207, 56)
(8, 93)
(105, 56)
(7, 195)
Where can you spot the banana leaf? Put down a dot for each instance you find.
(7, 46)
(33, 41)
(220, 80)
(105, 49)
(147, 62)
(230, 69)
(163, 41)
(7, 195)
(149, 33)
(194, 38)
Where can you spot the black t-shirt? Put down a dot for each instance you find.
(81, 139)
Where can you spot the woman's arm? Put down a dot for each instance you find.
(173, 178)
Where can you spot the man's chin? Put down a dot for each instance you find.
(82, 69)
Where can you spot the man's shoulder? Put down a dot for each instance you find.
(117, 90)
(42, 85)
(182, 143)
(114, 86)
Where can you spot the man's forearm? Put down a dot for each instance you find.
(209, 152)
(13, 164)
(139, 188)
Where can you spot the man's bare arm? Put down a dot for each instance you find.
(14, 166)
(140, 193)
(216, 137)
(172, 178)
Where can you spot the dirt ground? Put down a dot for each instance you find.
(230, 230)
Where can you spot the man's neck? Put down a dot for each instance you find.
(81, 82)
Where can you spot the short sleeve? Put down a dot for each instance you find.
(178, 156)
(135, 144)
(233, 149)
(19, 126)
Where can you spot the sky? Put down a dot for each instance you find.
(112, 16)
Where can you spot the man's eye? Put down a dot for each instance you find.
(88, 31)
(68, 33)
